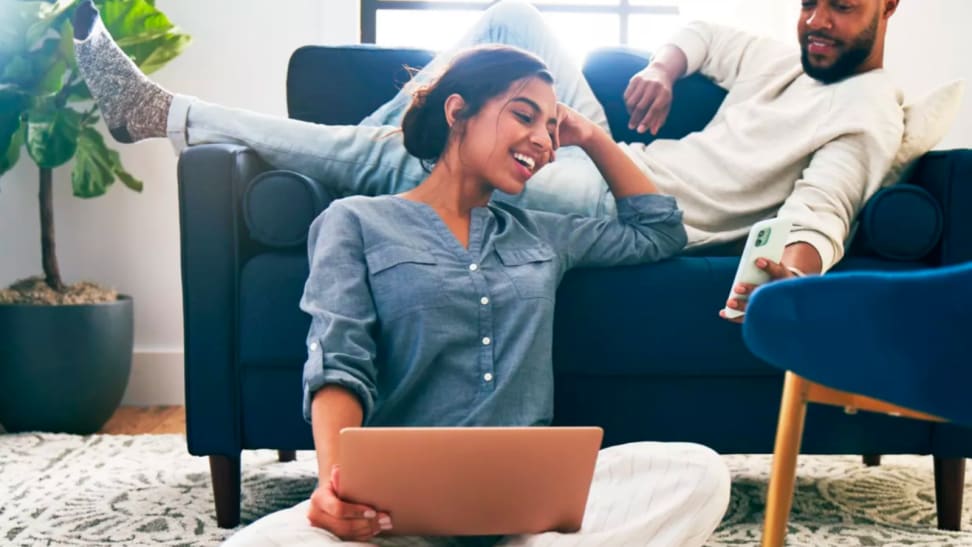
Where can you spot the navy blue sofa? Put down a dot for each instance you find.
(638, 350)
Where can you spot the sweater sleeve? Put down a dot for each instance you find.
(726, 55)
(841, 176)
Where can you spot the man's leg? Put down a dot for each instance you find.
(353, 159)
(371, 160)
(648, 494)
(515, 23)
(350, 159)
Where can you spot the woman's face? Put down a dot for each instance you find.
(511, 137)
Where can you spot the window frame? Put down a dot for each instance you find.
(623, 9)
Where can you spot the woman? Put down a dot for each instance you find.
(434, 307)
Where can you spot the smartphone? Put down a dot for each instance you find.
(767, 239)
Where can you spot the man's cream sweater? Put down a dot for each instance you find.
(781, 144)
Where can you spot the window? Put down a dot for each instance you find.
(581, 25)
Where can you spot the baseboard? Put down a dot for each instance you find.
(157, 379)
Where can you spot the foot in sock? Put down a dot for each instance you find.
(133, 106)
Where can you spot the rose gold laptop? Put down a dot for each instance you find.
(460, 481)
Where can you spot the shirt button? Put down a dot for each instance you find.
(473, 267)
(313, 346)
(484, 300)
(488, 377)
(486, 340)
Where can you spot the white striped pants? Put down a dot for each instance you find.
(643, 494)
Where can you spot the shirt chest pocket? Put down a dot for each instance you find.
(403, 279)
(532, 270)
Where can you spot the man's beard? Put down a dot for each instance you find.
(847, 63)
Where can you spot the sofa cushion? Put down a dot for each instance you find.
(279, 206)
(901, 222)
(660, 319)
(319, 79)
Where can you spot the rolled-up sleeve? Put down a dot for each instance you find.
(340, 344)
(647, 228)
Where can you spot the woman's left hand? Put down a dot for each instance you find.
(573, 128)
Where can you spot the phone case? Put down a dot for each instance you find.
(767, 239)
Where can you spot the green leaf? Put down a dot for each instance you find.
(67, 44)
(97, 166)
(13, 101)
(49, 66)
(18, 70)
(9, 158)
(12, 104)
(51, 16)
(143, 32)
(52, 135)
(41, 69)
(126, 18)
(94, 167)
(158, 52)
(17, 18)
(127, 179)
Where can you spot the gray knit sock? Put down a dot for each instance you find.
(134, 107)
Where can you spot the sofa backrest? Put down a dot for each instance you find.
(343, 84)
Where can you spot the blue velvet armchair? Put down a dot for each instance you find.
(902, 349)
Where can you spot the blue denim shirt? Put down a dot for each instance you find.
(428, 333)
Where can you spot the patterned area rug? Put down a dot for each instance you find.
(147, 490)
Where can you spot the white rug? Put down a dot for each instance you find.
(147, 490)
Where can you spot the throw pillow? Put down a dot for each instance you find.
(926, 123)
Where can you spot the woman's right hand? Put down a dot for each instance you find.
(348, 521)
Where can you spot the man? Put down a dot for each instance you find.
(816, 136)
(804, 134)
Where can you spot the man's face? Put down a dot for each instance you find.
(837, 37)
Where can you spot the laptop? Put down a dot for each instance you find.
(461, 481)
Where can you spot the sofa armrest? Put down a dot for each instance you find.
(947, 175)
(211, 181)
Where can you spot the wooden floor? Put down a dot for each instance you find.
(132, 420)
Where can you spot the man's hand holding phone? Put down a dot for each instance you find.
(759, 264)
(775, 270)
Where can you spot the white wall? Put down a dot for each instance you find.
(239, 58)
(928, 45)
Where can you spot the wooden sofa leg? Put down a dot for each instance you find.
(949, 486)
(872, 460)
(286, 455)
(225, 472)
(789, 433)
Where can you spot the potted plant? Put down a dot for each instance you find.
(65, 350)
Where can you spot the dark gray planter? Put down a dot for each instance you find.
(63, 368)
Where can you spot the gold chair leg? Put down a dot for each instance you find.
(789, 432)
